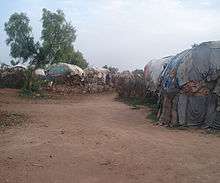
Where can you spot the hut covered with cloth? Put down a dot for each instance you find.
(190, 88)
(152, 72)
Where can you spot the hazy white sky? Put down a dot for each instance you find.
(125, 33)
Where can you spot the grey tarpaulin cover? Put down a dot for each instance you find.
(61, 69)
(192, 85)
(152, 72)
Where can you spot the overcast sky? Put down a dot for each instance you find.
(124, 33)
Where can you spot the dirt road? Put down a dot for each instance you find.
(95, 139)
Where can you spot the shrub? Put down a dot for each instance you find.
(32, 84)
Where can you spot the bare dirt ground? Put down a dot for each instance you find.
(95, 139)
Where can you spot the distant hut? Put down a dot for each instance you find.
(63, 73)
(61, 69)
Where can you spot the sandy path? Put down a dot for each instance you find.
(95, 139)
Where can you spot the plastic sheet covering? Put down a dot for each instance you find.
(152, 72)
(61, 69)
(39, 72)
(193, 77)
(196, 110)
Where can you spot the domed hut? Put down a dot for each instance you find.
(63, 73)
(152, 72)
(190, 87)
(61, 69)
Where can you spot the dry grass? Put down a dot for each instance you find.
(11, 119)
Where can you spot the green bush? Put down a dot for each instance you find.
(32, 84)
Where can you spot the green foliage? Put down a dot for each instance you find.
(14, 63)
(39, 60)
(78, 60)
(32, 84)
(20, 40)
(58, 36)
(29, 80)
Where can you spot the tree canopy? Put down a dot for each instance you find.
(20, 39)
(79, 60)
(57, 38)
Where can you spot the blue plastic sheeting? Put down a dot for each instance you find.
(57, 70)
(168, 76)
(61, 69)
(152, 72)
